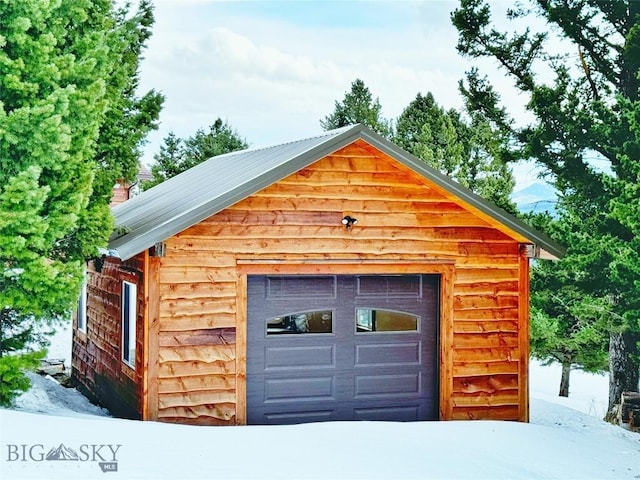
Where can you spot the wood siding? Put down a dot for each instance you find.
(97, 364)
(295, 226)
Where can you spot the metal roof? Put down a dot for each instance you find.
(192, 196)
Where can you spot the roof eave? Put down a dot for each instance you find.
(551, 249)
(125, 249)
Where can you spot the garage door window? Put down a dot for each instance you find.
(317, 321)
(378, 320)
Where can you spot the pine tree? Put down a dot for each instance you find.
(567, 326)
(177, 155)
(427, 131)
(466, 152)
(585, 106)
(168, 162)
(221, 138)
(58, 64)
(358, 106)
(129, 117)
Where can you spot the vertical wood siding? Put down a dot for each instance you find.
(400, 218)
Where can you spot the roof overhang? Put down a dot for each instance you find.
(208, 188)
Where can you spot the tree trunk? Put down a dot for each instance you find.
(564, 379)
(624, 368)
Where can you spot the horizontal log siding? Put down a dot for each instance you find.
(399, 217)
(97, 364)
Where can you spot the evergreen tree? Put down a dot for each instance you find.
(586, 107)
(58, 63)
(466, 152)
(221, 138)
(427, 131)
(129, 117)
(177, 155)
(567, 326)
(168, 162)
(358, 106)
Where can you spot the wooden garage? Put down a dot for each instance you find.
(331, 278)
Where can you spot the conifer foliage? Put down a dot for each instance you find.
(465, 148)
(585, 102)
(61, 78)
(177, 155)
(358, 106)
(462, 145)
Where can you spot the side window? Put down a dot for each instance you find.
(82, 307)
(129, 314)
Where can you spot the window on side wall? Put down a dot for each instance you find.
(129, 323)
(82, 308)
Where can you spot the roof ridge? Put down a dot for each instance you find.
(211, 186)
(205, 164)
(327, 133)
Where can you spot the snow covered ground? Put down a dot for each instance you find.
(54, 433)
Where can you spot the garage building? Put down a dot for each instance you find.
(331, 278)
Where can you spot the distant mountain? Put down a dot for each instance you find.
(62, 453)
(537, 197)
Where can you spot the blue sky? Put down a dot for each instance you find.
(273, 70)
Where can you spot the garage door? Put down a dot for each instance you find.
(323, 348)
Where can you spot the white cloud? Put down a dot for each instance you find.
(274, 77)
(248, 59)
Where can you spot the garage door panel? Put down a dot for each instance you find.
(283, 287)
(295, 417)
(299, 358)
(389, 286)
(407, 353)
(299, 389)
(382, 386)
(405, 413)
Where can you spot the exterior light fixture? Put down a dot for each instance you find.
(349, 221)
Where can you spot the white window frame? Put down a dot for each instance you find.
(129, 320)
(81, 315)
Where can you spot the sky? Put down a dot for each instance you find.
(274, 69)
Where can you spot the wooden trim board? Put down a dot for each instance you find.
(443, 268)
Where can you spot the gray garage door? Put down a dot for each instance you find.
(340, 347)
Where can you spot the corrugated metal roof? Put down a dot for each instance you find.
(212, 186)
